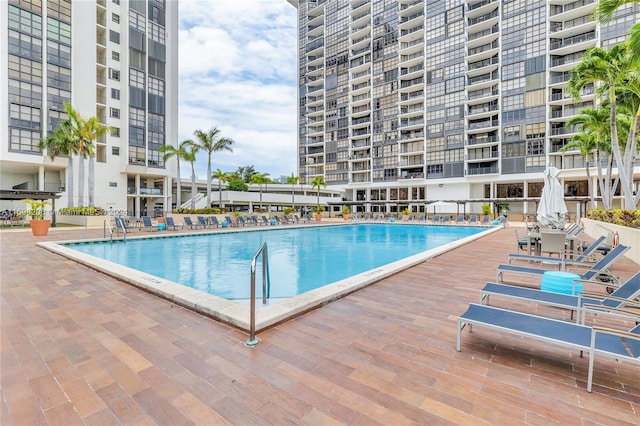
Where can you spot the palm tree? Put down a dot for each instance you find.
(608, 67)
(87, 131)
(293, 180)
(260, 179)
(585, 143)
(63, 142)
(190, 156)
(604, 13)
(594, 122)
(180, 153)
(245, 173)
(211, 142)
(318, 182)
(222, 177)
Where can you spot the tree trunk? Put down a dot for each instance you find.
(193, 187)
(209, 181)
(69, 187)
(92, 180)
(81, 180)
(179, 188)
(627, 186)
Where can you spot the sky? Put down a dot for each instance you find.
(238, 72)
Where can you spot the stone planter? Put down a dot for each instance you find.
(628, 236)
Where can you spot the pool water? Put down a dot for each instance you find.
(300, 259)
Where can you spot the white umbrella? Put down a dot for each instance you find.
(552, 210)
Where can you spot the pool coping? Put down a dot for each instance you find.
(236, 313)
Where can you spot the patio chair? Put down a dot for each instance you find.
(620, 345)
(486, 219)
(254, 220)
(367, 216)
(265, 220)
(230, 222)
(460, 219)
(446, 218)
(188, 222)
(307, 217)
(171, 224)
(121, 224)
(553, 242)
(607, 244)
(473, 218)
(436, 218)
(522, 242)
(376, 217)
(597, 270)
(586, 255)
(202, 221)
(627, 291)
(241, 221)
(213, 221)
(147, 224)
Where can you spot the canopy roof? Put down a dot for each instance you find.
(21, 194)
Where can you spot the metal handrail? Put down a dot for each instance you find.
(107, 225)
(122, 226)
(266, 290)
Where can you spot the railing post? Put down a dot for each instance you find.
(253, 340)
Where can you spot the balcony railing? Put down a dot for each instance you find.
(411, 30)
(480, 4)
(476, 94)
(409, 18)
(482, 124)
(482, 170)
(404, 71)
(476, 141)
(483, 33)
(483, 63)
(483, 18)
(493, 45)
(558, 9)
(572, 40)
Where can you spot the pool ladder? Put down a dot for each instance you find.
(266, 290)
(107, 226)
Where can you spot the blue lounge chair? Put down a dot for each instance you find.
(460, 219)
(171, 224)
(306, 216)
(421, 218)
(230, 222)
(596, 341)
(202, 221)
(188, 222)
(121, 224)
(286, 220)
(486, 219)
(473, 218)
(254, 220)
(295, 216)
(265, 220)
(629, 290)
(596, 270)
(241, 221)
(147, 224)
(436, 218)
(581, 259)
(446, 218)
(213, 221)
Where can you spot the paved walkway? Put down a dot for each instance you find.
(80, 347)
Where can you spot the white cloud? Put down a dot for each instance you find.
(238, 72)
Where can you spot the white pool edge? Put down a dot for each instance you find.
(238, 314)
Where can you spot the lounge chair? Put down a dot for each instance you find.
(147, 224)
(307, 217)
(473, 218)
(460, 219)
(367, 216)
(596, 341)
(213, 221)
(581, 259)
(607, 244)
(421, 218)
(188, 222)
(121, 224)
(629, 290)
(254, 220)
(286, 220)
(446, 218)
(523, 243)
(202, 221)
(265, 220)
(596, 270)
(230, 222)
(436, 218)
(486, 219)
(241, 221)
(171, 224)
(298, 219)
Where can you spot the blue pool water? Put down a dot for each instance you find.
(300, 259)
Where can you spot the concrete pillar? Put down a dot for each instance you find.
(40, 178)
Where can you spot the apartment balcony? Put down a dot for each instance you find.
(411, 161)
(361, 133)
(411, 19)
(360, 31)
(360, 64)
(315, 140)
(482, 95)
(483, 126)
(314, 100)
(484, 51)
(482, 37)
(411, 97)
(407, 135)
(315, 31)
(565, 63)
(312, 89)
(484, 168)
(360, 100)
(482, 81)
(360, 111)
(571, 44)
(572, 27)
(360, 42)
(412, 71)
(411, 110)
(316, 16)
(487, 139)
(315, 111)
(411, 85)
(573, 10)
(412, 59)
(364, 143)
(479, 111)
(480, 8)
(560, 78)
(315, 48)
(313, 130)
(407, 30)
(416, 123)
(361, 19)
(410, 149)
(413, 46)
(357, 6)
(101, 36)
(481, 22)
(315, 77)
(482, 67)
(561, 131)
(480, 155)
(361, 122)
(315, 62)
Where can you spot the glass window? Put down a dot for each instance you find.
(115, 18)
(114, 36)
(114, 112)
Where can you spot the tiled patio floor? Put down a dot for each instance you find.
(79, 347)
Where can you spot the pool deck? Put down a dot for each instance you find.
(81, 347)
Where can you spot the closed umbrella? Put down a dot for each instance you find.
(552, 210)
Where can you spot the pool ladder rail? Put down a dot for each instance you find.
(266, 290)
(107, 226)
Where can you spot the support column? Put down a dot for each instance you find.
(41, 178)
(136, 200)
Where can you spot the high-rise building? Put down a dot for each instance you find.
(112, 59)
(406, 101)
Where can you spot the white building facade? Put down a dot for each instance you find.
(404, 102)
(113, 59)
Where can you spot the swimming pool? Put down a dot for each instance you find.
(236, 312)
(300, 259)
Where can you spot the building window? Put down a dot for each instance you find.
(115, 18)
(115, 150)
(115, 56)
(114, 74)
(114, 112)
(115, 132)
(114, 36)
(115, 94)
(116, 1)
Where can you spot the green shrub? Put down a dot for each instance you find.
(486, 209)
(204, 211)
(628, 218)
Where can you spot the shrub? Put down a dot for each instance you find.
(204, 211)
(486, 209)
(628, 218)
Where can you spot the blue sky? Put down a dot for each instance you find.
(238, 72)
